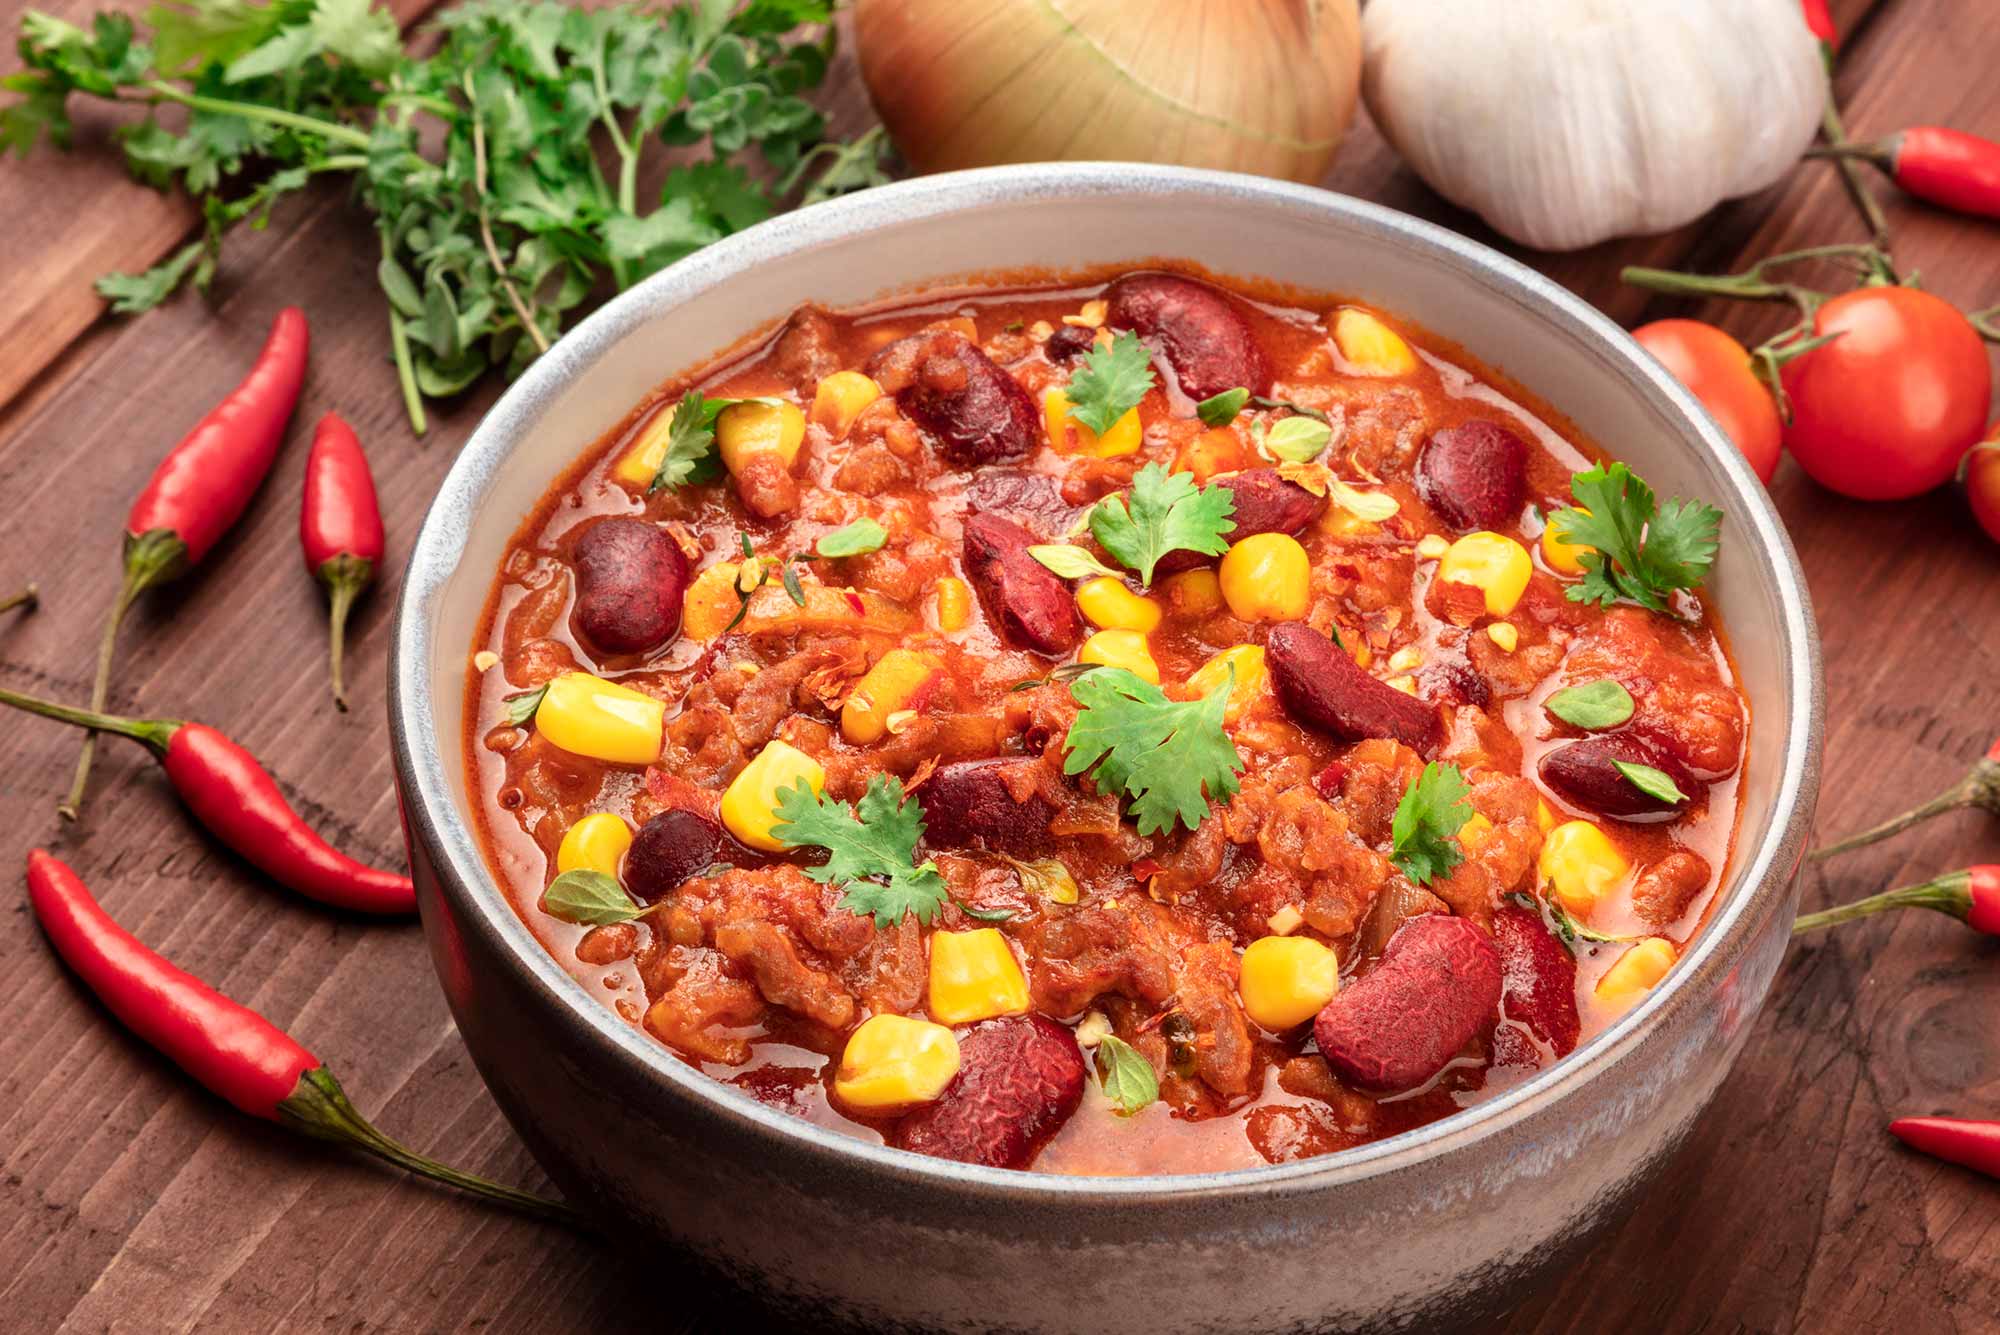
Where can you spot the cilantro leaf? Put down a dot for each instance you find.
(1170, 758)
(1643, 552)
(1164, 512)
(1432, 812)
(869, 849)
(690, 436)
(855, 539)
(132, 293)
(1110, 382)
(1221, 409)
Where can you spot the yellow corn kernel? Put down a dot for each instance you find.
(974, 976)
(954, 603)
(1504, 636)
(711, 602)
(1492, 563)
(1405, 658)
(1267, 577)
(1217, 450)
(595, 843)
(1404, 683)
(1121, 649)
(1193, 593)
(1560, 555)
(750, 803)
(1122, 438)
(1370, 346)
(1581, 864)
(749, 428)
(1636, 972)
(589, 716)
(892, 1061)
(1545, 819)
(839, 399)
(1108, 603)
(1286, 980)
(885, 689)
(1474, 832)
(1247, 661)
(1432, 547)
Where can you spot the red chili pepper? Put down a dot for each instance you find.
(340, 526)
(29, 598)
(1949, 168)
(1959, 1140)
(233, 797)
(228, 1048)
(1972, 896)
(1820, 20)
(1979, 788)
(199, 490)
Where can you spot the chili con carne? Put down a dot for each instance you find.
(236, 799)
(229, 1049)
(340, 527)
(198, 491)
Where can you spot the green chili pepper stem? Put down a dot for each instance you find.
(1947, 894)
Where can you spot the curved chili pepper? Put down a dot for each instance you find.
(198, 491)
(1972, 896)
(1979, 788)
(29, 598)
(340, 527)
(1949, 168)
(1959, 1140)
(1820, 20)
(233, 797)
(228, 1048)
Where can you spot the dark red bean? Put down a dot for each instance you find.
(1453, 681)
(1018, 1081)
(1538, 978)
(1265, 503)
(1198, 329)
(1474, 475)
(968, 802)
(1068, 342)
(1586, 774)
(1434, 988)
(1026, 602)
(1032, 500)
(630, 578)
(1321, 687)
(977, 413)
(668, 849)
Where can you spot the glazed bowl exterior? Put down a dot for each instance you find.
(1436, 1225)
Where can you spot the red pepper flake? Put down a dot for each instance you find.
(1327, 783)
(854, 601)
(1146, 869)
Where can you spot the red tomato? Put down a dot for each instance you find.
(1982, 482)
(1889, 408)
(1717, 368)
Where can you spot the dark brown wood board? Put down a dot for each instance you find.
(129, 1200)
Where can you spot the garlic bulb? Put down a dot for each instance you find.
(1266, 86)
(1564, 122)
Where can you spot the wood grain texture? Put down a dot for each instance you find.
(130, 1201)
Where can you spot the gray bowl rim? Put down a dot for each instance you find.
(1762, 873)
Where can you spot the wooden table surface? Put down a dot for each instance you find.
(131, 1200)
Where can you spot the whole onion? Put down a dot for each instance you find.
(1264, 86)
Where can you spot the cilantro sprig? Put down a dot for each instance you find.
(501, 172)
(1432, 812)
(690, 453)
(1110, 382)
(1644, 551)
(1170, 758)
(1164, 512)
(869, 849)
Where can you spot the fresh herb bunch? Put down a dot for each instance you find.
(1170, 758)
(1164, 512)
(1643, 552)
(1427, 821)
(870, 849)
(482, 164)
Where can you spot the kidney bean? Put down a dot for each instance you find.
(968, 802)
(1433, 989)
(1538, 978)
(1453, 681)
(1018, 1081)
(1026, 601)
(942, 381)
(1474, 475)
(1068, 342)
(668, 849)
(1585, 774)
(1199, 331)
(1032, 500)
(630, 577)
(1265, 503)
(1321, 687)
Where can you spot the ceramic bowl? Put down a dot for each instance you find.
(1408, 1233)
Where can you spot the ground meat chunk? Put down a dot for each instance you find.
(1128, 946)
(1666, 888)
(1207, 992)
(807, 350)
(699, 1003)
(1379, 772)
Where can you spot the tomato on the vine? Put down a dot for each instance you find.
(1981, 477)
(1717, 368)
(1889, 408)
